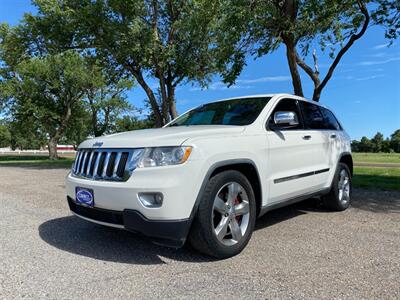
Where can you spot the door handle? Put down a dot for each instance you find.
(307, 137)
(333, 136)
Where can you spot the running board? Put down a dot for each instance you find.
(290, 201)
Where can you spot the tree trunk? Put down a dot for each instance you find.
(152, 98)
(291, 58)
(164, 98)
(316, 94)
(53, 155)
(55, 136)
(171, 101)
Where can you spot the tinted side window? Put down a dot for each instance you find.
(330, 119)
(286, 105)
(312, 116)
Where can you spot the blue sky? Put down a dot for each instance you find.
(364, 91)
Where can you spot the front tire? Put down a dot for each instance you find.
(339, 197)
(226, 216)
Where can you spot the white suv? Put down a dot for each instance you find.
(208, 174)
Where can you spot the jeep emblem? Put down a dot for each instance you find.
(98, 144)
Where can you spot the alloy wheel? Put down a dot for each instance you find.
(231, 213)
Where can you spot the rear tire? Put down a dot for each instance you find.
(339, 197)
(226, 216)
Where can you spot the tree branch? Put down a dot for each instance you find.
(313, 75)
(353, 38)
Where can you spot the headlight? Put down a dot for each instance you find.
(164, 156)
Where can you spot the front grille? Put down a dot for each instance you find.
(105, 164)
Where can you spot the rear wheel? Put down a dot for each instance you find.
(225, 219)
(339, 197)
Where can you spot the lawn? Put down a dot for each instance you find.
(376, 157)
(31, 160)
(377, 178)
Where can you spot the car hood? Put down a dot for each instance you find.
(169, 136)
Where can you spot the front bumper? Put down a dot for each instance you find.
(179, 186)
(167, 232)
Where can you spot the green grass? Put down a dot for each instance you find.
(377, 178)
(31, 160)
(376, 157)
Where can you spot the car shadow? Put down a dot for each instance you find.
(80, 237)
(376, 201)
(289, 212)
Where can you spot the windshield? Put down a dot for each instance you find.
(230, 112)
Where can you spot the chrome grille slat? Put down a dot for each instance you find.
(105, 164)
(76, 161)
(82, 163)
(96, 165)
(104, 173)
(116, 164)
(89, 163)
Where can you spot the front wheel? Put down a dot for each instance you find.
(225, 219)
(339, 197)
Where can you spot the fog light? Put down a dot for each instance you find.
(151, 199)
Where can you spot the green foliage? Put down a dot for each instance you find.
(378, 143)
(395, 141)
(388, 15)
(171, 41)
(128, 123)
(260, 27)
(5, 136)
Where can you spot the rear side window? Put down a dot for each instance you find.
(330, 119)
(312, 116)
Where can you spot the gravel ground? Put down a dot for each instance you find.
(296, 252)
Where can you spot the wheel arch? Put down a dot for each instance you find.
(246, 166)
(347, 159)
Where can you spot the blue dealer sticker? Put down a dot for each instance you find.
(84, 196)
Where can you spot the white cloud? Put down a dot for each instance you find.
(242, 83)
(380, 46)
(378, 62)
(265, 79)
(370, 77)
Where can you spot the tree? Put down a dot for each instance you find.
(5, 136)
(63, 82)
(48, 89)
(170, 41)
(355, 146)
(25, 134)
(395, 141)
(365, 145)
(260, 27)
(128, 123)
(377, 142)
(106, 101)
(388, 15)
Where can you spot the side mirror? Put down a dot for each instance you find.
(285, 118)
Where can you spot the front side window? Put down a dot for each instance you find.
(286, 105)
(230, 112)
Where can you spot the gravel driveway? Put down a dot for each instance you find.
(296, 252)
